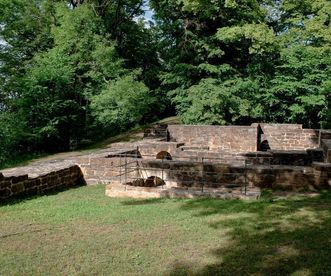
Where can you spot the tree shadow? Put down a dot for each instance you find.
(268, 237)
(135, 202)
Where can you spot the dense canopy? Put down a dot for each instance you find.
(72, 72)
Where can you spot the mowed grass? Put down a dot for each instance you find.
(81, 231)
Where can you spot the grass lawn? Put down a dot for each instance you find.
(81, 231)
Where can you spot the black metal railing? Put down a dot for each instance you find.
(132, 167)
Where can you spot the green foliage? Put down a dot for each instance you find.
(69, 73)
(52, 67)
(296, 93)
(122, 103)
(60, 80)
(282, 47)
(259, 37)
(215, 102)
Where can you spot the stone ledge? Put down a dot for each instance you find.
(14, 184)
(121, 191)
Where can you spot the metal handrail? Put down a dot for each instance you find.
(245, 162)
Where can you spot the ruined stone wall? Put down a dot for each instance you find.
(23, 185)
(325, 144)
(289, 137)
(150, 150)
(225, 138)
(102, 170)
(212, 175)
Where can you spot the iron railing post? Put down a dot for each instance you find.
(120, 168)
(203, 175)
(245, 184)
(162, 173)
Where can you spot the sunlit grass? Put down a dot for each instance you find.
(81, 231)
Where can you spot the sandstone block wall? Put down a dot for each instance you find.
(326, 146)
(289, 137)
(226, 138)
(23, 185)
(150, 150)
(98, 170)
(211, 175)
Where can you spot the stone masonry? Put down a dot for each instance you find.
(28, 181)
(212, 161)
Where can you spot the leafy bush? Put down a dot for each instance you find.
(123, 103)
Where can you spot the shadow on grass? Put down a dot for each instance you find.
(287, 236)
(135, 202)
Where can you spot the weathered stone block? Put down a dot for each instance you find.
(5, 193)
(17, 188)
(5, 183)
(17, 179)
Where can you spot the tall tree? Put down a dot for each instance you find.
(297, 92)
(271, 58)
(52, 68)
(226, 43)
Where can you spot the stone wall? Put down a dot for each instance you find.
(326, 146)
(226, 138)
(212, 175)
(103, 169)
(292, 158)
(23, 185)
(289, 137)
(150, 150)
(208, 156)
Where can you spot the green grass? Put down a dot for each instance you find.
(81, 231)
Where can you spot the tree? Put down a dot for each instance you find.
(61, 80)
(122, 104)
(297, 93)
(281, 47)
(223, 42)
(49, 83)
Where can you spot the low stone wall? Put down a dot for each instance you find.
(326, 146)
(212, 157)
(116, 190)
(287, 157)
(211, 175)
(227, 138)
(289, 137)
(324, 135)
(150, 150)
(23, 185)
(103, 169)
